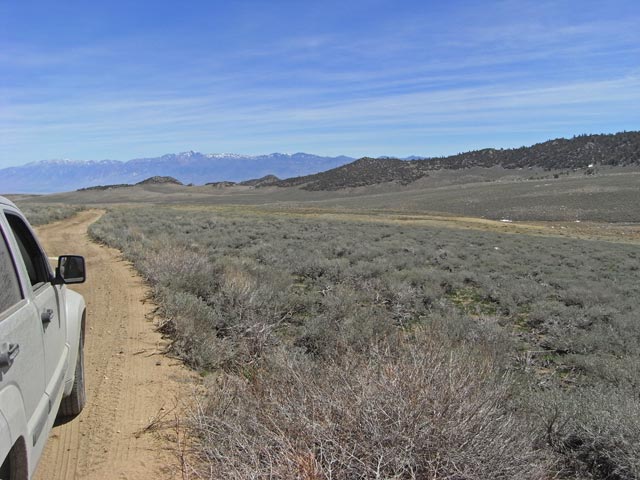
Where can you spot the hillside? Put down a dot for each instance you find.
(620, 149)
(363, 172)
(265, 181)
(156, 180)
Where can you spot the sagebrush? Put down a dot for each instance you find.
(369, 350)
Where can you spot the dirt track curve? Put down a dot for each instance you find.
(129, 381)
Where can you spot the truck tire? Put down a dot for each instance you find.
(74, 403)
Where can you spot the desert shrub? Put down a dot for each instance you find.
(190, 324)
(181, 270)
(42, 213)
(596, 430)
(287, 311)
(411, 408)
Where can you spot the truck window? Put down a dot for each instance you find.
(34, 260)
(9, 285)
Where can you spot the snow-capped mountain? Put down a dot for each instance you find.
(50, 176)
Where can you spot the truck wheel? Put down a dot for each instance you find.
(74, 403)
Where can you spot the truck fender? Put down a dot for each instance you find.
(76, 317)
(14, 418)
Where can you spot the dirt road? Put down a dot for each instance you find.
(129, 382)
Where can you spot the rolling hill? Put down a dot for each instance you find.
(620, 149)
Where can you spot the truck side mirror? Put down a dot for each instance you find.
(71, 269)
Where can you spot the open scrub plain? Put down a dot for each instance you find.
(472, 330)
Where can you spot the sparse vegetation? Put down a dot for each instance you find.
(104, 187)
(362, 172)
(158, 179)
(265, 181)
(42, 213)
(580, 152)
(337, 349)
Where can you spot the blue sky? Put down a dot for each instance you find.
(123, 79)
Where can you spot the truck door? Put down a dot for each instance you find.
(22, 372)
(47, 301)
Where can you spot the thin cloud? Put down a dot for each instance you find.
(396, 76)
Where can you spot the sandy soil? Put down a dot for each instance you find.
(129, 382)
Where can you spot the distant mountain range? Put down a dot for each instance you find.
(50, 176)
(313, 172)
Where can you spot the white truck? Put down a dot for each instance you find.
(42, 325)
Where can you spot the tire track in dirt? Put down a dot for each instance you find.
(129, 381)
